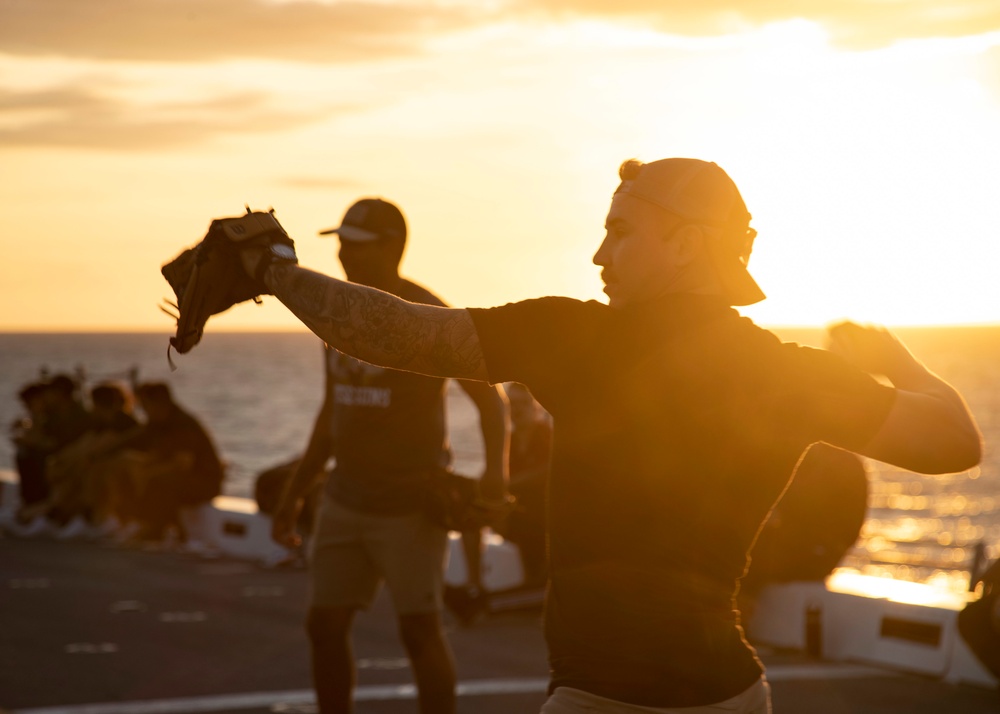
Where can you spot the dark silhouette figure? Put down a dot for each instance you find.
(386, 431)
(813, 526)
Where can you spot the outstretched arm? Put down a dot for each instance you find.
(929, 428)
(380, 328)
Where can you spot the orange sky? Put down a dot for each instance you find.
(864, 136)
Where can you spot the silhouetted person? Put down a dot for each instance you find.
(169, 464)
(78, 499)
(813, 526)
(57, 419)
(530, 461)
(31, 447)
(387, 432)
(677, 425)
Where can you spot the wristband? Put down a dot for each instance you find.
(275, 253)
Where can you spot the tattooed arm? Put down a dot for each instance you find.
(380, 328)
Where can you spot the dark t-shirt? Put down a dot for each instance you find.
(66, 424)
(388, 429)
(181, 432)
(677, 425)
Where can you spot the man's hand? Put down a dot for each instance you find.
(212, 276)
(873, 349)
(284, 523)
(490, 512)
(929, 428)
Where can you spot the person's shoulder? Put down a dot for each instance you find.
(737, 330)
(185, 419)
(558, 304)
(415, 292)
(557, 316)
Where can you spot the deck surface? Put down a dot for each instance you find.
(95, 629)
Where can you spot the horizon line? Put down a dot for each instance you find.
(122, 330)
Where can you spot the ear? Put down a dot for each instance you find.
(687, 244)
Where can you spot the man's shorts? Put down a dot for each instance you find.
(565, 700)
(352, 553)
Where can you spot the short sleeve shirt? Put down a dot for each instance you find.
(388, 428)
(677, 425)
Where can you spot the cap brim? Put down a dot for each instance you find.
(740, 287)
(352, 233)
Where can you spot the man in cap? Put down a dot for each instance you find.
(678, 424)
(387, 433)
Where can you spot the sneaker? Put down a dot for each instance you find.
(107, 528)
(280, 557)
(76, 529)
(38, 527)
(125, 534)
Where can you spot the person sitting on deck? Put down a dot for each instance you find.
(57, 419)
(78, 498)
(27, 435)
(171, 463)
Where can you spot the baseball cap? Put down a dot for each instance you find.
(701, 192)
(370, 219)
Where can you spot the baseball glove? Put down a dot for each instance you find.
(210, 278)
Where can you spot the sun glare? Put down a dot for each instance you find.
(870, 174)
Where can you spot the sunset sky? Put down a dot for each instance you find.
(864, 135)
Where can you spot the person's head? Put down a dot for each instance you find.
(108, 400)
(372, 240)
(62, 388)
(155, 399)
(34, 397)
(676, 226)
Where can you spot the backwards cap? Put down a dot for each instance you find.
(700, 192)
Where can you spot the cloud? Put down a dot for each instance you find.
(77, 118)
(362, 30)
(210, 30)
(853, 23)
(320, 183)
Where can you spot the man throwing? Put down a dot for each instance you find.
(387, 432)
(677, 425)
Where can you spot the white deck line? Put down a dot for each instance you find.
(472, 688)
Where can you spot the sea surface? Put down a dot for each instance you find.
(258, 394)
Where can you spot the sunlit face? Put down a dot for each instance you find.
(636, 260)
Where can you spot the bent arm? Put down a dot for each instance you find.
(313, 461)
(380, 328)
(309, 469)
(929, 428)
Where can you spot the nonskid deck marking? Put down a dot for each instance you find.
(385, 692)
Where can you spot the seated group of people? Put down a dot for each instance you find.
(90, 470)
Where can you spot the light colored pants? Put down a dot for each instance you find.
(351, 554)
(566, 700)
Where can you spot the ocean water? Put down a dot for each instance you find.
(258, 394)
